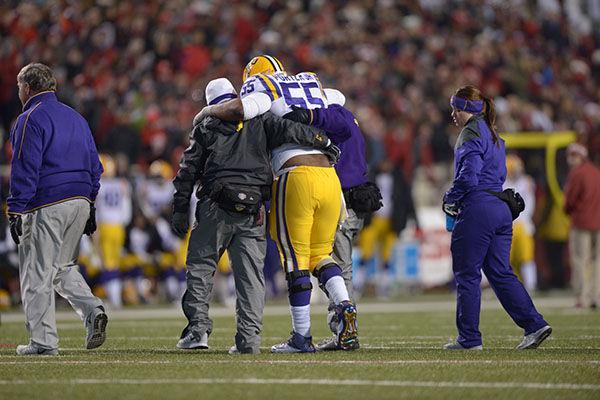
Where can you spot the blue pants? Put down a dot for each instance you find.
(481, 240)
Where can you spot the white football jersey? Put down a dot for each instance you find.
(113, 203)
(155, 196)
(302, 90)
(525, 186)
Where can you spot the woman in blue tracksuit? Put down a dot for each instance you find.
(482, 232)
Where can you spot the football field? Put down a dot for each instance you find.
(400, 358)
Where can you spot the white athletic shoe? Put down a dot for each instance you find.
(454, 345)
(95, 326)
(33, 350)
(190, 342)
(234, 351)
(295, 344)
(328, 344)
(533, 340)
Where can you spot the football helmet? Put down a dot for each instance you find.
(514, 165)
(109, 165)
(162, 169)
(262, 64)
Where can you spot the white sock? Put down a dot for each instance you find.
(172, 287)
(301, 319)
(140, 286)
(182, 287)
(529, 274)
(113, 288)
(337, 290)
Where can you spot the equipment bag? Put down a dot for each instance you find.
(513, 199)
(237, 198)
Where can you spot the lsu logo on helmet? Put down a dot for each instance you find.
(262, 64)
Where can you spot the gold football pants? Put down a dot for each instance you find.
(304, 215)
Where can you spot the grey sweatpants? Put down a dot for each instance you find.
(217, 230)
(342, 246)
(48, 252)
(342, 255)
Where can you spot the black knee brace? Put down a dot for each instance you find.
(298, 281)
(318, 272)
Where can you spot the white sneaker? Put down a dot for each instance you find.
(33, 350)
(234, 351)
(190, 342)
(454, 345)
(533, 340)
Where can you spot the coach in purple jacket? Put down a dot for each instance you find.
(55, 177)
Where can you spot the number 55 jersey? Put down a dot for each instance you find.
(303, 90)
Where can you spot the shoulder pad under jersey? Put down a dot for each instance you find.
(261, 83)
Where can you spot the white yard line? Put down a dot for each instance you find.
(309, 382)
(236, 360)
(401, 346)
(276, 310)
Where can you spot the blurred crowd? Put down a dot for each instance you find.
(137, 69)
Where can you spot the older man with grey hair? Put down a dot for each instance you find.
(55, 177)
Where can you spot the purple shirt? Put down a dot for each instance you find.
(54, 156)
(479, 164)
(341, 127)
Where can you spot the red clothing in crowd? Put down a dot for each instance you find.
(582, 196)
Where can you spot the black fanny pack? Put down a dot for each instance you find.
(513, 199)
(365, 198)
(237, 198)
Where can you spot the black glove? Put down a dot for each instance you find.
(90, 225)
(180, 223)
(298, 114)
(332, 152)
(451, 210)
(365, 198)
(16, 227)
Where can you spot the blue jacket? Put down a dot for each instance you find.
(341, 127)
(479, 164)
(54, 156)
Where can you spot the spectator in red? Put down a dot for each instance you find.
(582, 203)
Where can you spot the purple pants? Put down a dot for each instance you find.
(481, 240)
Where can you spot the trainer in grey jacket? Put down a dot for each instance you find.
(231, 163)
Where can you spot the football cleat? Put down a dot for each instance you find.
(262, 64)
(347, 335)
(95, 326)
(332, 318)
(33, 350)
(295, 344)
(454, 345)
(533, 340)
(328, 344)
(191, 342)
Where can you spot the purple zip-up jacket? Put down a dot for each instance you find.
(341, 127)
(54, 156)
(479, 164)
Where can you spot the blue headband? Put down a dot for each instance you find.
(225, 96)
(470, 106)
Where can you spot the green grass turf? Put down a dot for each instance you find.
(400, 358)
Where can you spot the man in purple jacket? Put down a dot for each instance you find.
(55, 177)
